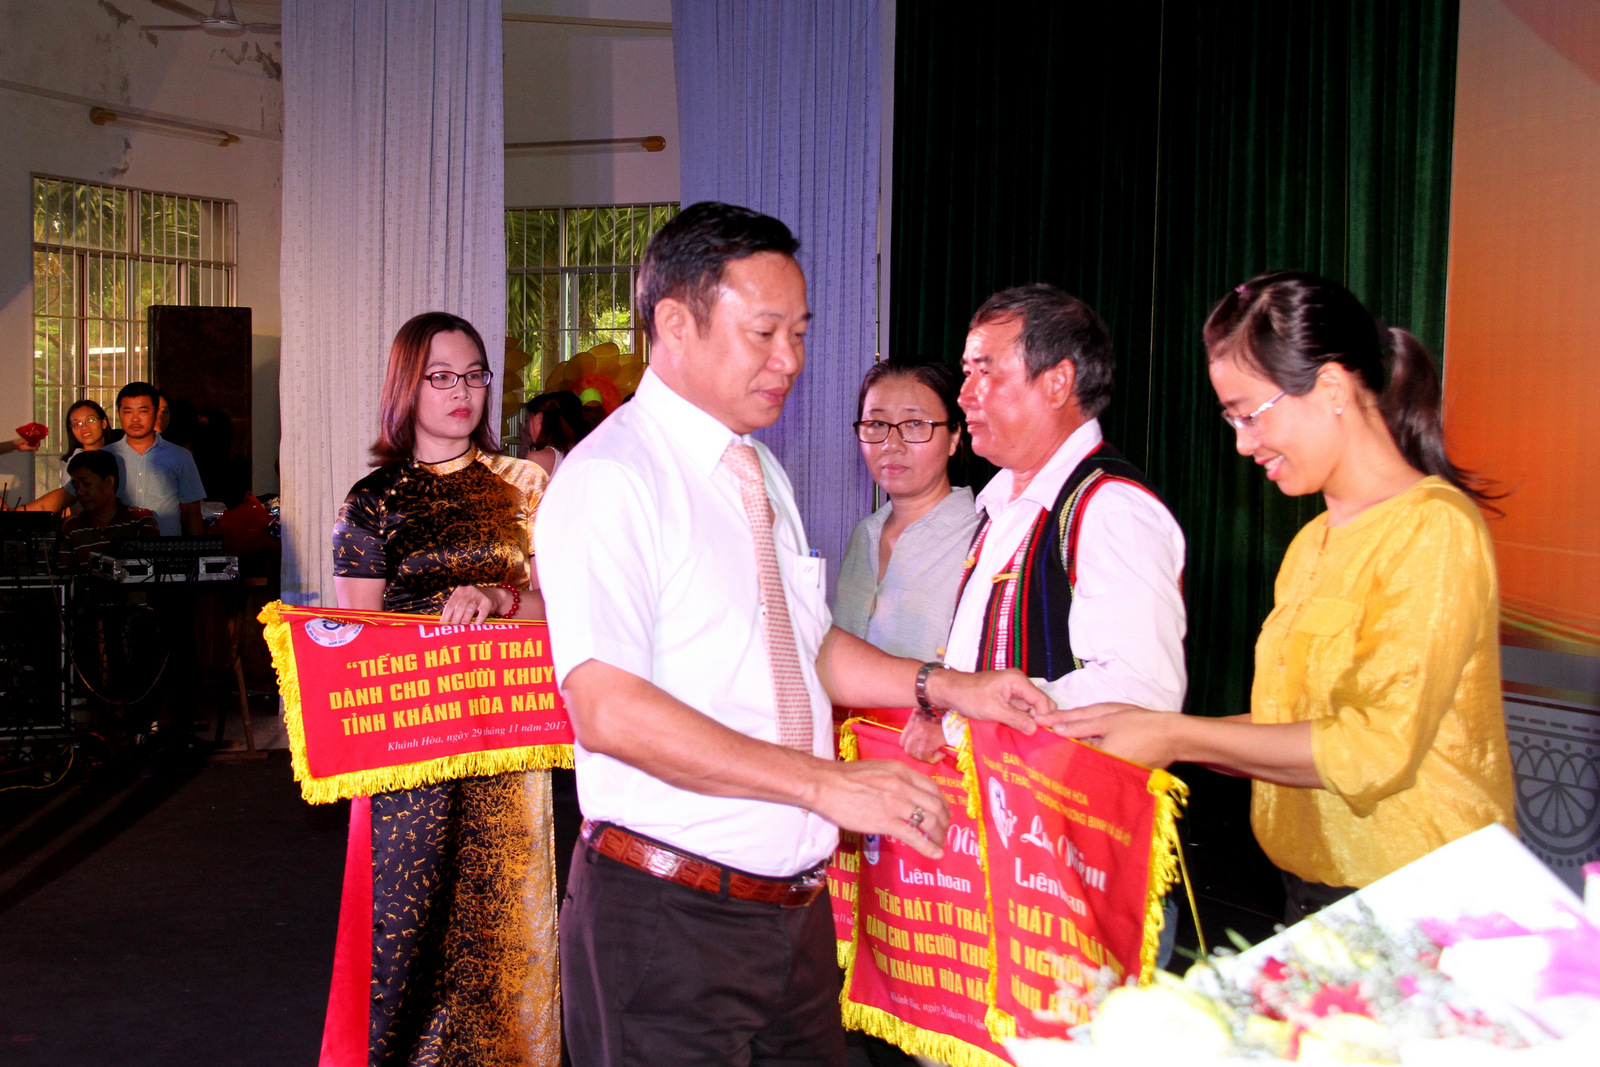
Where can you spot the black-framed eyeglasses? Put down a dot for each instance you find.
(1248, 422)
(912, 431)
(446, 379)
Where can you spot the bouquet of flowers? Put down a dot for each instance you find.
(1397, 974)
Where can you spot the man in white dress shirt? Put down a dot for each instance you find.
(1091, 558)
(693, 645)
(1076, 575)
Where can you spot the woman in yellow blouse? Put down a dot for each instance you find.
(1375, 731)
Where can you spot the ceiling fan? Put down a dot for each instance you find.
(222, 22)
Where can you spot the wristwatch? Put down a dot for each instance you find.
(924, 705)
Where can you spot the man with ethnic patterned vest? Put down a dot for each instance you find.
(1075, 575)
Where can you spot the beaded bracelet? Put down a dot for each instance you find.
(516, 599)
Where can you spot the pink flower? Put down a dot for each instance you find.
(1332, 998)
(1573, 966)
(1471, 928)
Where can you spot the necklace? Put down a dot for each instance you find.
(441, 462)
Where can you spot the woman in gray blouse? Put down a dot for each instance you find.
(898, 582)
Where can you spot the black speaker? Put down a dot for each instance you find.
(200, 358)
(33, 662)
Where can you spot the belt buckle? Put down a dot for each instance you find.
(803, 891)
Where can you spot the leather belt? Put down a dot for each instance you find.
(684, 869)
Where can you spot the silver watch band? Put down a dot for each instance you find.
(923, 703)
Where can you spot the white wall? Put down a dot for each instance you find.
(94, 49)
(562, 83)
(583, 83)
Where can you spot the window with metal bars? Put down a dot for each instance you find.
(570, 274)
(102, 254)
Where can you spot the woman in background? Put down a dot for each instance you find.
(1375, 731)
(91, 431)
(902, 569)
(547, 433)
(446, 950)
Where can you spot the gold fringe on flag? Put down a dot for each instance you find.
(382, 779)
(849, 752)
(914, 1039)
(999, 1022)
(849, 747)
(1171, 795)
(877, 1022)
(968, 766)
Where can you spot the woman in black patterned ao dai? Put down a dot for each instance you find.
(447, 951)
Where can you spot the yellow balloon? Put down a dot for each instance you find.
(516, 358)
(564, 376)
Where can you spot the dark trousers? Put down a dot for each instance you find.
(655, 973)
(1302, 898)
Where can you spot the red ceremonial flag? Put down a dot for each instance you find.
(376, 701)
(1079, 849)
(846, 859)
(842, 885)
(918, 973)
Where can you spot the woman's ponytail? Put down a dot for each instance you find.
(1412, 405)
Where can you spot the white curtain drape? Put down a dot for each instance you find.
(393, 204)
(778, 110)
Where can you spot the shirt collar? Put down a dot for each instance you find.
(451, 466)
(1046, 485)
(948, 513)
(161, 442)
(954, 509)
(699, 437)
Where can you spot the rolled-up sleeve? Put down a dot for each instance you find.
(598, 536)
(1415, 634)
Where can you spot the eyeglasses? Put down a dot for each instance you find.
(446, 379)
(912, 431)
(1248, 422)
(93, 420)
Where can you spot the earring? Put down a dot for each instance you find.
(1338, 410)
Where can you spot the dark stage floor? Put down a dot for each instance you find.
(183, 911)
(1236, 887)
(171, 914)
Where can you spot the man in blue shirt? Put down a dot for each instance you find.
(152, 472)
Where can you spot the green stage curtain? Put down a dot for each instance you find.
(1148, 156)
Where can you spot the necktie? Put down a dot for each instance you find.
(788, 682)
